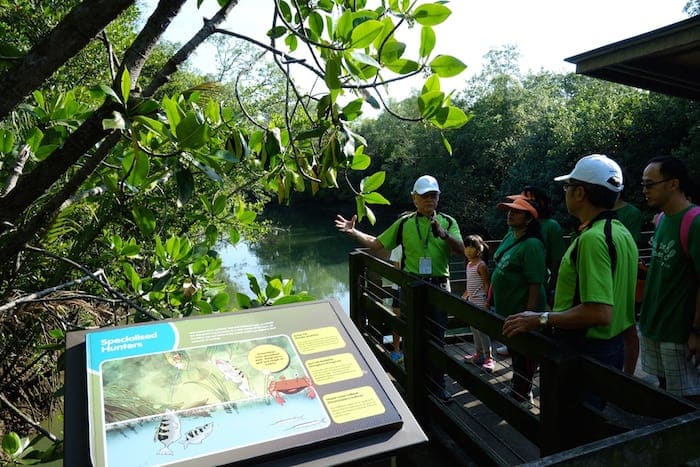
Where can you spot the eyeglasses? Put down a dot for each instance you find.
(647, 185)
(566, 186)
(429, 194)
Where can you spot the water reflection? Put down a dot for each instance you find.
(304, 247)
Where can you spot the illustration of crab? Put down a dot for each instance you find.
(290, 386)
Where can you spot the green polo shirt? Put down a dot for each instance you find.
(418, 241)
(671, 285)
(518, 264)
(596, 282)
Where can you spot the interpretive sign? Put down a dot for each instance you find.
(230, 387)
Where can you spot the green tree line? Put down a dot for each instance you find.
(525, 130)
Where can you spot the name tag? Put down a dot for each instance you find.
(425, 266)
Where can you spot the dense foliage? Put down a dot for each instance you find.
(119, 174)
(528, 129)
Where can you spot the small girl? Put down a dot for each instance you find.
(478, 283)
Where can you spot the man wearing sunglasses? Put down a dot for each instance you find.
(428, 239)
(670, 315)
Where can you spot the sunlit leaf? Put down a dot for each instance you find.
(447, 144)
(427, 41)
(373, 182)
(125, 85)
(430, 102)
(449, 117)
(316, 23)
(403, 66)
(431, 14)
(363, 35)
(220, 301)
(447, 66)
(360, 161)
(392, 51)
(375, 198)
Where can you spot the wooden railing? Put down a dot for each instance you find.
(564, 425)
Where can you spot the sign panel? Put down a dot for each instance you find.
(230, 387)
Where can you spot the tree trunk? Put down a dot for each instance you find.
(70, 36)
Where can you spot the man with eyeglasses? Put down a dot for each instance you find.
(670, 315)
(594, 296)
(428, 238)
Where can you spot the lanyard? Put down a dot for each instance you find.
(420, 237)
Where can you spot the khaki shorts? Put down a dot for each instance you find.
(669, 360)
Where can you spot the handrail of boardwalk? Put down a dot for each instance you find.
(563, 422)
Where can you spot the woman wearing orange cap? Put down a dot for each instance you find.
(517, 280)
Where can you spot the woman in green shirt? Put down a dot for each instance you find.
(517, 280)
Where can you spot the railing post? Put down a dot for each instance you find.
(412, 306)
(356, 268)
(560, 394)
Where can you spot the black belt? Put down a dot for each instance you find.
(436, 280)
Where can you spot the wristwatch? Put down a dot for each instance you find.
(544, 319)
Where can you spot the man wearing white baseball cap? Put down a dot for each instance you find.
(594, 296)
(428, 238)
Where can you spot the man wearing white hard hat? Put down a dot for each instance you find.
(594, 296)
(427, 236)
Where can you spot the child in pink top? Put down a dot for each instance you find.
(477, 286)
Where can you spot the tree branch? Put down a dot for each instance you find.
(28, 419)
(70, 36)
(17, 170)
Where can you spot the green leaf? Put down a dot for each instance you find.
(373, 182)
(106, 90)
(291, 42)
(234, 236)
(431, 84)
(447, 144)
(403, 66)
(246, 217)
(253, 284)
(11, 444)
(332, 77)
(156, 126)
(243, 300)
(132, 276)
(364, 58)
(427, 41)
(296, 298)
(392, 51)
(185, 185)
(191, 132)
(375, 198)
(211, 234)
(220, 301)
(344, 26)
(431, 14)
(208, 171)
(219, 204)
(370, 215)
(447, 66)
(430, 102)
(360, 206)
(277, 32)
(125, 85)
(172, 111)
(316, 23)
(33, 139)
(353, 109)
(274, 288)
(204, 307)
(9, 51)
(138, 171)
(449, 117)
(145, 219)
(363, 35)
(360, 161)
(7, 141)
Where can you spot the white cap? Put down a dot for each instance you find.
(597, 169)
(425, 184)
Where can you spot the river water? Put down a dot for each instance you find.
(304, 246)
